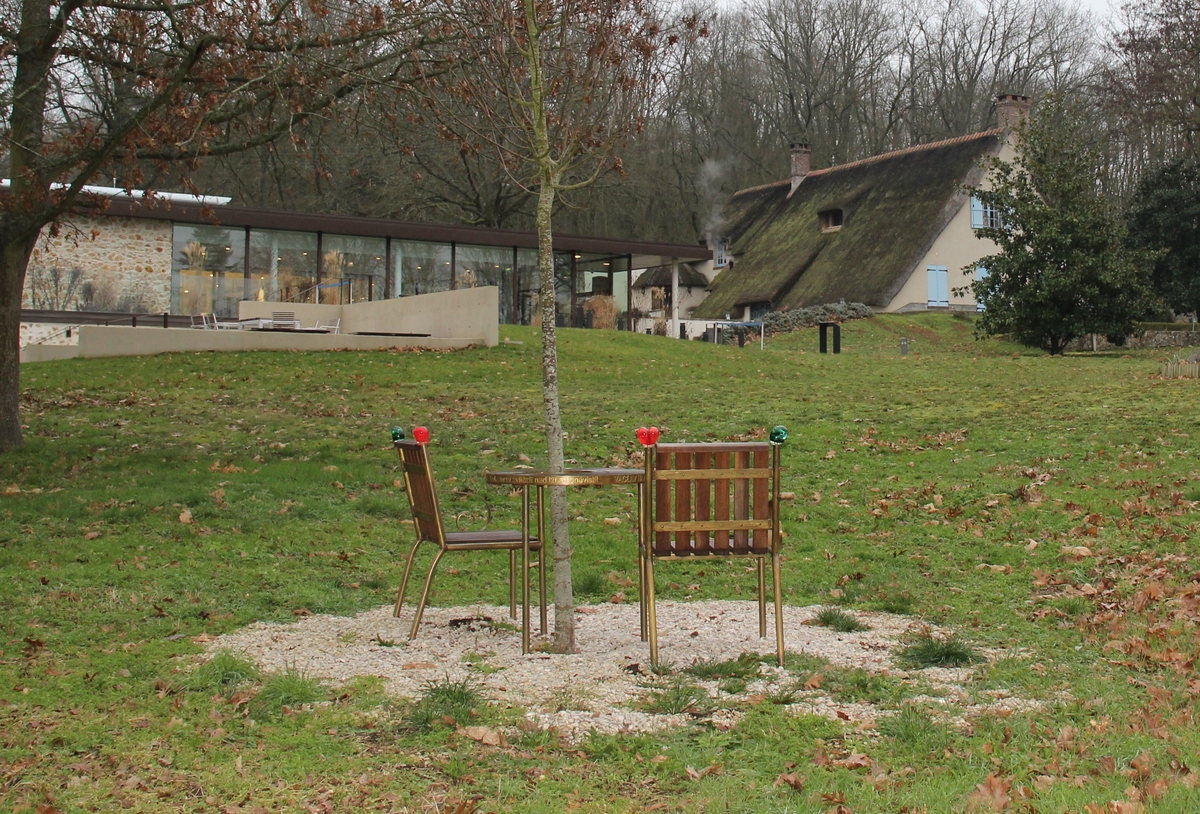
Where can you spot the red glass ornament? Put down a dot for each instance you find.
(421, 435)
(647, 436)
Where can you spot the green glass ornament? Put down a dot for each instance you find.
(397, 434)
(779, 434)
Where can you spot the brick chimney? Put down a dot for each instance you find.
(1011, 108)
(801, 161)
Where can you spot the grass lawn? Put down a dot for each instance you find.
(1045, 507)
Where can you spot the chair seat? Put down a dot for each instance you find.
(503, 539)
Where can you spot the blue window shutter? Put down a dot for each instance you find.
(981, 274)
(939, 286)
(976, 213)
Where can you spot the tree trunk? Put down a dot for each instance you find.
(14, 257)
(24, 212)
(564, 598)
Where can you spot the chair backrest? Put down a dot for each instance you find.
(199, 321)
(422, 491)
(713, 499)
(278, 318)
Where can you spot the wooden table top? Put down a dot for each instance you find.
(603, 476)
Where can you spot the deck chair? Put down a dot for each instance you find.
(711, 500)
(427, 521)
(284, 319)
(199, 321)
(332, 326)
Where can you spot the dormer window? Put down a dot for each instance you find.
(720, 253)
(831, 220)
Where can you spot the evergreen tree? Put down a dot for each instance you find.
(1063, 269)
(1163, 219)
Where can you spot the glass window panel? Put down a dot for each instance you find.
(352, 269)
(528, 283)
(601, 291)
(419, 268)
(562, 289)
(283, 266)
(487, 265)
(208, 267)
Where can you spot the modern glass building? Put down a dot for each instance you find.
(223, 254)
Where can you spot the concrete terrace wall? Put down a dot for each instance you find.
(462, 313)
(452, 319)
(96, 341)
(125, 265)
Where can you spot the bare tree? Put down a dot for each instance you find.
(553, 88)
(93, 87)
(1150, 87)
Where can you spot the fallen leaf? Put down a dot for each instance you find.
(990, 795)
(854, 761)
(791, 779)
(185, 517)
(484, 734)
(12, 489)
(612, 521)
(419, 665)
(91, 535)
(1077, 552)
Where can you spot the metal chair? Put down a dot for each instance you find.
(427, 521)
(711, 500)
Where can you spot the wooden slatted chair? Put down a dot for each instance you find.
(711, 500)
(427, 521)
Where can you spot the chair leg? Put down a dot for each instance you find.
(651, 612)
(541, 566)
(404, 579)
(541, 529)
(512, 583)
(762, 598)
(778, 607)
(643, 542)
(425, 594)
(642, 594)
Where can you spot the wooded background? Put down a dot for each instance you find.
(852, 77)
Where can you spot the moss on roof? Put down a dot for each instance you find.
(893, 206)
(660, 276)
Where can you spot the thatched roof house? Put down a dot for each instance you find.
(893, 231)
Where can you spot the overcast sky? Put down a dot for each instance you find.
(1102, 9)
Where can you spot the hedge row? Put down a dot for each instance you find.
(784, 321)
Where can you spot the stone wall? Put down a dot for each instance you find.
(45, 333)
(102, 264)
(1149, 339)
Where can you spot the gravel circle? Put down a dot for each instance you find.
(593, 689)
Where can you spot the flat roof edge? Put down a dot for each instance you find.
(386, 227)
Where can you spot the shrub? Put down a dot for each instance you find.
(785, 321)
(286, 690)
(839, 620)
(444, 701)
(928, 650)
(222, 673)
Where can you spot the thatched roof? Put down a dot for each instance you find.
(660, 277)
(893, 206)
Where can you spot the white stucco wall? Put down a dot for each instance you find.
(955, 248)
